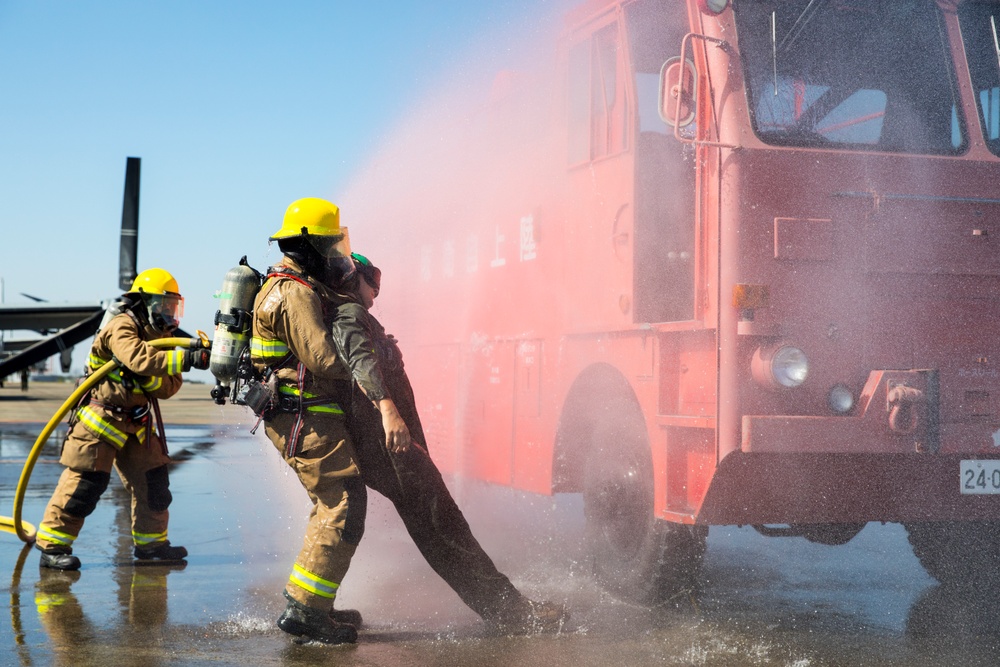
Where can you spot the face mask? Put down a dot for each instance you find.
(165, 310)
(340, 270)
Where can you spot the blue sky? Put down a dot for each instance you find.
(236, 109)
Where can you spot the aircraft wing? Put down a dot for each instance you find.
(45, 317)
(81, 328)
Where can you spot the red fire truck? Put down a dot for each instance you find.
(727, 262)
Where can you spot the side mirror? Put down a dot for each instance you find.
(678, 94)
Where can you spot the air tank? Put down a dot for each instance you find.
(232, 325)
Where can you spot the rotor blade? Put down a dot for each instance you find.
(37, 299)
(130, 225)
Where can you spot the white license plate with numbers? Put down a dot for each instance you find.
(980, 477)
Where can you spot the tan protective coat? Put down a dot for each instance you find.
(324, 459)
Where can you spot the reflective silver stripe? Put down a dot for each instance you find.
(96, 362)
(303, 578)
(152, 384)
(145, 539)
(54, 536)
(268, 350)
(175, 362)
(101, 427)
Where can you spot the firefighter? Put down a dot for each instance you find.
(292, 348)
(410, 480)
(112, 427)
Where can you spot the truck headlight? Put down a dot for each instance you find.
(780, 366)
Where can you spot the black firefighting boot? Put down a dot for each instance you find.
(528, 617)
(314, 624)
(162, 552)
(348, 616)
(59, 558)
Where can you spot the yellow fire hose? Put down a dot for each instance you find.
(24, 530)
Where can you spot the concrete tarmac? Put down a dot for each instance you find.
(241, 513)
(191, 405)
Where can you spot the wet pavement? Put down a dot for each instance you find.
(241, 515)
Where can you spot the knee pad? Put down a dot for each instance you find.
(84, 499)
(357, 510)
(158, 489)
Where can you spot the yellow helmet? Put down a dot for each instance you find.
(312, 216)
(318, 222)
(162, 296)
(154, 281)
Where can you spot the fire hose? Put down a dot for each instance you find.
(24, 530)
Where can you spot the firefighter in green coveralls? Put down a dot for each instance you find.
(113, 427)
(291, 345)
(409, 479)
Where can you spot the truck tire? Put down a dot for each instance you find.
(957, 553)
(637, 557)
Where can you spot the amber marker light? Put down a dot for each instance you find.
(747, 296)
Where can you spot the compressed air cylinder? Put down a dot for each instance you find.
(232, 321)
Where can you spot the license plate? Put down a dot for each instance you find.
(980, 477)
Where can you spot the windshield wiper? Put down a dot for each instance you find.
(774, 49)
(800, 24)
(996, 42)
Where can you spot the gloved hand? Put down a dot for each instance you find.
(197, 358)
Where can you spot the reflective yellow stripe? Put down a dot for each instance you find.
(46, 602)
(267, 350)
(331, 408)
(96, 362)
(54, 536)
(152, 384)
(142, 582)
(175, 362)
(303, 578)
(101, 427)
(145, 539)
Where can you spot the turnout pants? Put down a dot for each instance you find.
(324, 462)
(142, 467)
(434, 521)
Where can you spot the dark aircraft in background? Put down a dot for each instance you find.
(63, 325)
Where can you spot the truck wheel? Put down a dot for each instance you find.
(957, 552)
(636, 557)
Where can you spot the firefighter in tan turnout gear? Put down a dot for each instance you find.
(309, 391)
(113, 427)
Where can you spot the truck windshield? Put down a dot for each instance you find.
(981, 33)
(859, 74)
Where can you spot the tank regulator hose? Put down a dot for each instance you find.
(24, 530)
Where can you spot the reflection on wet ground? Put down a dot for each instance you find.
(241, 515)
